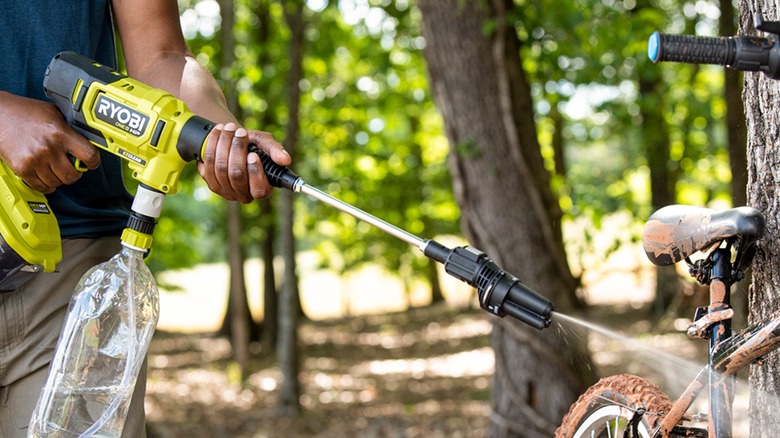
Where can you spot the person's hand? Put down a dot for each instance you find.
(230, 171)
(35, 142)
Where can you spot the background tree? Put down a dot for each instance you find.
(657, 141)
(266, 216)
(763, 137)
(289, 305)
(507, 206)
(238, 317)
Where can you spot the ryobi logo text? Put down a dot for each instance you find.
(121, 116)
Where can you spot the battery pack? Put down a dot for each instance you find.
(29, 233)
(14, 271)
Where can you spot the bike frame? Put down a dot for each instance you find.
(727, 355)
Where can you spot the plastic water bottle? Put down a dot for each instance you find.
(110, 322)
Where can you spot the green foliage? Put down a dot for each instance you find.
(584, 60)
(371, 135)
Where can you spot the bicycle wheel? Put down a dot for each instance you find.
(606, 409)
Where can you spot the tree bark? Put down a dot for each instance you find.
(508, 208)
(760, 95)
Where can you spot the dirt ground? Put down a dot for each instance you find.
(425, 372)
(420, 373)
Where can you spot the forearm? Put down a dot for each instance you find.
(183, 76)
(202, 93)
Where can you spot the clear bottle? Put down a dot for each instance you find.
(110, 322)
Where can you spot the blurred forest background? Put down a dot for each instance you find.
(344, 84)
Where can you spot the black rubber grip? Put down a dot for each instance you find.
(691, 49)
(278, 176)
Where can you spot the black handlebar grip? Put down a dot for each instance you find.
(278, 176)
(691, 49)
(743, 53)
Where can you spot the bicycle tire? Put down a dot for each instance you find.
(610, 404)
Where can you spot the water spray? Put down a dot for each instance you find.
(499, 292)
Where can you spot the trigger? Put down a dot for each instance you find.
(78, 164)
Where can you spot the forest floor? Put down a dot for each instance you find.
(420, 373)
(389, 372)
(425, 372)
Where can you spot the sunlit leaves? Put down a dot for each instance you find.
(583, 59)
(371, 131)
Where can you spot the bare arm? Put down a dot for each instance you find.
(157, 54)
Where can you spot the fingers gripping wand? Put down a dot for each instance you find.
(499, 292)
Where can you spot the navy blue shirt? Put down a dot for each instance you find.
(33, 32)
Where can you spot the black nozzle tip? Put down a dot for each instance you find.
(536, 321)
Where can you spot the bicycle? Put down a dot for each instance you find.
(632, 406)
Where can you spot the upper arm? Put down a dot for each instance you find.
(157, 55)
(151, 38)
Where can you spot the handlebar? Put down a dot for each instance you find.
(743, 53)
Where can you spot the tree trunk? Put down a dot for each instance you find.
(433, 279)
(289, 303)
(508, 209)
(662, 180)
(558, 141)
(736, 133)
(240, 317)
(736, 130)
(270, 329)
(238, 308)
(763, 152)
(270, 323)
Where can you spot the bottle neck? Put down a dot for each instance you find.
(129, 251)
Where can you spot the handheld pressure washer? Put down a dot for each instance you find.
(157, 135)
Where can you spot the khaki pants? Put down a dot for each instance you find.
(31, 319)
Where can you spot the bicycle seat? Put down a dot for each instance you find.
(675, 232)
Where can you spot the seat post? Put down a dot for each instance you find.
(721, 388)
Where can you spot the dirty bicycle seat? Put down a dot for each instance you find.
(675, 232)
